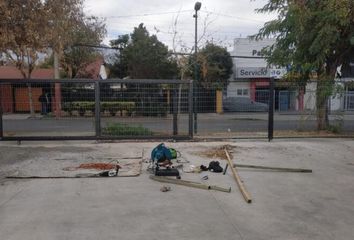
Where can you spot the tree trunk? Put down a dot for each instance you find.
(30, 96)
(322, 113)
(57, 86)
(323, 93)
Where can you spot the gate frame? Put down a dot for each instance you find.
(98, 135)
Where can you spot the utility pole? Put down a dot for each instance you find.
(197, 7)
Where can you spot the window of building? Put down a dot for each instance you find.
(245, 92)
(242, 92)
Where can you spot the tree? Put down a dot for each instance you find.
(119, 67)
(215, 66)
(31, 27)
(76, 56)
(313, 38)
(146, 57)
(23, 25)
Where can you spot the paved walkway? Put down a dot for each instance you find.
(316, 206)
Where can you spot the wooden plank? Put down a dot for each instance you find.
(239, 182)
(189, 183)
(302, 170)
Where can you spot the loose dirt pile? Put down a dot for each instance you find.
(218, 152)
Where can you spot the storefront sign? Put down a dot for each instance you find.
(277, 73)
(251, 72)
(259, 72)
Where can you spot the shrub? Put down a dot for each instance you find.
(112, 107)
(121, 129)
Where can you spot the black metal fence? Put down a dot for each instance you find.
(95, 109)
(143, 109)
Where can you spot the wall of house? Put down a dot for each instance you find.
(238, 89)
(6, 98)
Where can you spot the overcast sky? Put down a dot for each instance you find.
(227, 19)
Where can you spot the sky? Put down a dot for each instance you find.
(172, 20)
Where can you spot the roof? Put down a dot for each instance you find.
(91, 70)
(11, 72)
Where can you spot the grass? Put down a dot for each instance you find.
(121, 129)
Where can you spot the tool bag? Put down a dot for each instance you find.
(162, 153)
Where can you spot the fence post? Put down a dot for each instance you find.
(190, 109)
(174, 109)
(195, 107)
(271, 109)
(1, 127)
(97, 109)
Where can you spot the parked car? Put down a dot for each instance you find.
(243, 104)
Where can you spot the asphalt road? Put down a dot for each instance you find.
(207, 124)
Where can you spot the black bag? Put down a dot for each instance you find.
(214, 166)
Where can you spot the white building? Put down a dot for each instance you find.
(252, 74)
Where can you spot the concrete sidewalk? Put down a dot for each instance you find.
(316, 205)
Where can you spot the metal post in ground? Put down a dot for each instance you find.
(190, 109)
(97, 109)
(1, 128)
(271, 110)
(197, 7)
(174, 109)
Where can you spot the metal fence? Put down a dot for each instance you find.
(143, 109)
(95, 109)
(244, 110)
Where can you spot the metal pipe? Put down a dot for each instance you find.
(271, 110)
(189, 184)
(1, 126)
(97, 110)
(195, 71)
(190, 109)
(80, 138)
(174, 109)
(113, 80)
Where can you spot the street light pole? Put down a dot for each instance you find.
(197, 7)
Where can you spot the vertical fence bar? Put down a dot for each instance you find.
(97, 109)
(1, 127)
(271, 110)
(195, 107)
(190, 109)
(174, 109)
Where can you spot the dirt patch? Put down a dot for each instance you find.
(218, 152)
(96, 166)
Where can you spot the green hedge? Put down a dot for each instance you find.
(112, 107)
(121, 129)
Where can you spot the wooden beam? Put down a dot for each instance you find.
(279, 169)
(239, 182)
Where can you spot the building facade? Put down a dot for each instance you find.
(251, 75)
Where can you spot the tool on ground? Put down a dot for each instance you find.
(165, 188)
(279, 169)
(227, 165)
(189, 184)
(239, 182)
(161, 157)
